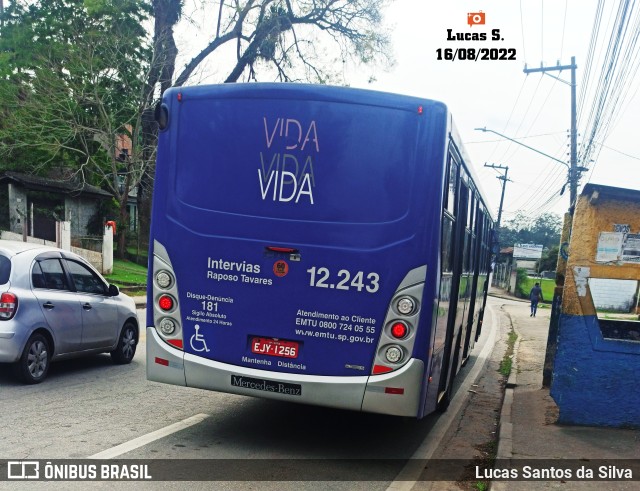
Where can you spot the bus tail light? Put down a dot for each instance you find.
(398, 336)
(164, 279)
(8, 305)
(405, 305)
(378, 369)
(176, 343)
(167, 326)
(166, 307)
(166, 303)
(399, 330)
(394, 354)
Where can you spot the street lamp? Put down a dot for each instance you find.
(520, 143)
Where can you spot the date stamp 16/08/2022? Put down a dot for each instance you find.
(473, 53)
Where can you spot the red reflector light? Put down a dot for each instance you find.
(381, 369)
(175, 342)
(394, 390)
(179, 96)
(284, 250)
(420, 110)
(162, 361)
(165, 302)
(8, 305)
(399, 330)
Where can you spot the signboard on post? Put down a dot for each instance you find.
(527, 251)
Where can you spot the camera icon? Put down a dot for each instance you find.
(474, 18)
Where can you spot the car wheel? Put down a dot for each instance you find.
(33, 365)
(127, 343)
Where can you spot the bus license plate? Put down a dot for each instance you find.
(274, 347)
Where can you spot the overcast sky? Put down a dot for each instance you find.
(534, 108)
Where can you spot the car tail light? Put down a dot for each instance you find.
(8, 305)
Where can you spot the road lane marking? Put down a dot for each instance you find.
(149, 437)
(410, 473)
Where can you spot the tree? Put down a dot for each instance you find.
(549, 259)
(282, 34)
(72, 88)
(544, 230)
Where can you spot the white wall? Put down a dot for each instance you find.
(613, 294)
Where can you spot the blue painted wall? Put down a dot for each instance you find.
(596, 381)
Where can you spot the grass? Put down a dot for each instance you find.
(128, 274)
(548, 286)
(507, 361)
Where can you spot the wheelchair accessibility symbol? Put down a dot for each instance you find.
(199, 341)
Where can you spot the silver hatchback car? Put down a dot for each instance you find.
(55, 305)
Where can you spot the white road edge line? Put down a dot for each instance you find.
(149, 437)
(410, 473)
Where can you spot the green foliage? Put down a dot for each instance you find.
(548, 287)
(70, 75)
(506, 364)
(545, 230)
(549, 259)
(521, 282)
(106, 210)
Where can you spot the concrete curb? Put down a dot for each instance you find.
(505, 296)
(140, 301)
(505, 429)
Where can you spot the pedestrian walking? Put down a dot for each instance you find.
(535, 296)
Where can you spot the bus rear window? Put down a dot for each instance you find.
(288, 159)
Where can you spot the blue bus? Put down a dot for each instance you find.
(314, 244)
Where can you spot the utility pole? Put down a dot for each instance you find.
(573, 168)
(556, 308)
(504, 180)
(496, 238)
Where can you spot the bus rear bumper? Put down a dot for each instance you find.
(395, 393)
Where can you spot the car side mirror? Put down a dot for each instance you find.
(114, 291)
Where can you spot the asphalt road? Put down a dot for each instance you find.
(90, 406)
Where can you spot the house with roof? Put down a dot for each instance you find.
(36, 203)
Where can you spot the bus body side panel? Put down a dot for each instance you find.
(290, 217)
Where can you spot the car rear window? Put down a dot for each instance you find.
(5, 269)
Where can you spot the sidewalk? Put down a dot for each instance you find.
(141, 302)
(527, 424)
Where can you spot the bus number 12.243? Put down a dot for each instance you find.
(321, 278)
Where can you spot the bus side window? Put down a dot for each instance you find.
(447, 237)
(451, 186)
(448, 214)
